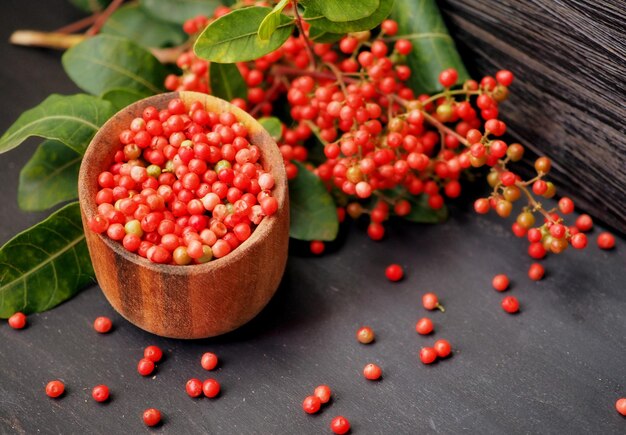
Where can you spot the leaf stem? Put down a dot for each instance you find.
(103, 17)
(78, 25)
(307, 42)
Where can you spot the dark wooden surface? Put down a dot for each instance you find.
(557, 367)
(569, 97)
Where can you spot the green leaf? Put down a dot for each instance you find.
(49, 177)
(271, 21)
(315, 17)
(107, 62)
(226, 81)
(44, 265)
(273, 126)
(134, 23)
(433, 49)
(422, 213)
(179, 11)
(234, 38)
(72, 120)
(121, 98)
(344, 10)
(90, 5)
(318, 35)
(312, 210)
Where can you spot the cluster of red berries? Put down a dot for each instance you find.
(186, 186)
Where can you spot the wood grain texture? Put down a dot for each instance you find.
(569, 98)
(195, 301)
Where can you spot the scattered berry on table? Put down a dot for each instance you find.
(100, 393)
(442, 348)
(372, 372)
(153, 353)
(151, 417)
(317, 247)
(584, 223)
(428, 355)
(536, 271)
(55, 388)
(323, 393)
(340, 425)
(209, 361)
(102, 324)
(620, 405)
(606, 240)
(431, 302)
(311, 404)
(424, 326)
(365, 335)
(500, 282)
(17, 320)
(394, 272)
(194, 387)
(510, 304)
(145, 367)
(211, 388)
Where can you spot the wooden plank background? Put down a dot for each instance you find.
(569, 98)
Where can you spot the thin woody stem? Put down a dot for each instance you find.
(78, 25)
(307, 42)
(103, 17)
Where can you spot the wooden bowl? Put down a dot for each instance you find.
(195, 301)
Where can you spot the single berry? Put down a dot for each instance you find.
(372, 372)
(209, 361)
(17, 320)
(394, 272)
(424, 326)
(500, 282)
(584, 223)
(153, 353)
(194, 387)
(365, 335)
(428, 355)
(536, 271)
(102, 324)
(317, 247)
(100, 393)
(510, 304)
(211, 388)
(340, 425)
(311, 404)
(151, 417)
(323, 393)
(430, 302)
(145, 367)
(606, 240)
(442, 348)
(579, 241)
(620, 405)
(55, 388)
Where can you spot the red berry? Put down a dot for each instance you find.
(510, 304)
(536, 250)
(424, 326)
(17, 320)
(536, 271)
(579, 241)
(584, 223)
(317, 247)
(606, 240)
(442, 348)
(389, 27)
(566, 205)
(102, 324)
(448, 77)
(340, 425)
(311, 404)
(209, 361)
(372, 372)
(500, 282)
(211, 388)
(620, 405)
(365, 335)
(145, 367)
(323, 393)
(504, 77)
(428, 355)
(430, 302)
(100, 393)
(151, 417)
(394, 272)
(55, 389)
(153, 353)
(194, 387)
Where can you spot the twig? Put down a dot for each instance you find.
(93, 30)
(307, 42)
(78, 25)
